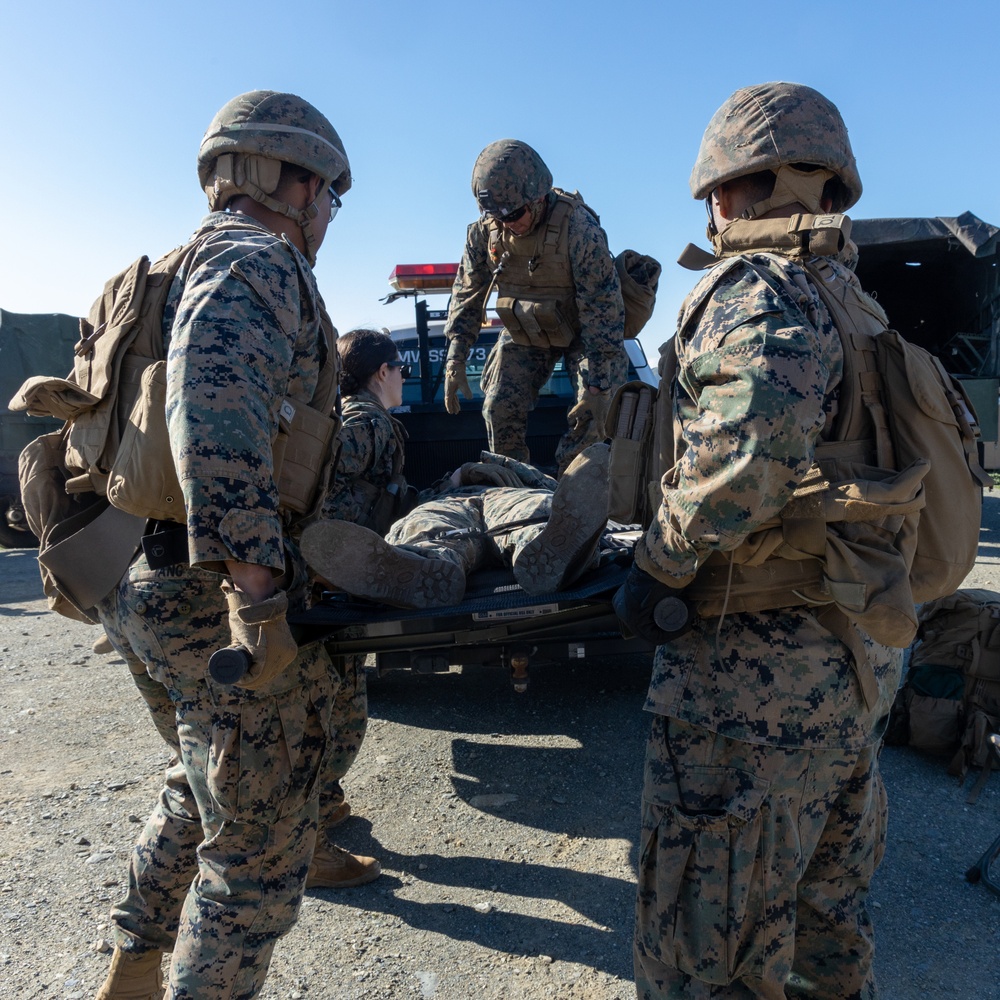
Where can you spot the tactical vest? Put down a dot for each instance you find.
(847, 544)
(382, 499)
(536, 293)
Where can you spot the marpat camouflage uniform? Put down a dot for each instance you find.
(371, 446)
(515, 373)
(217, 874)
(763, 811)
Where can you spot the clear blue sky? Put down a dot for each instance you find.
(105, 105)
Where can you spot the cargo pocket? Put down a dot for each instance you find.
(701, 885)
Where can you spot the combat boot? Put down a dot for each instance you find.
(564, 548)
(102, 645)
(133, 977)
(361, 562)
(334, 868)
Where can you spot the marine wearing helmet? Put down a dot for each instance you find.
(761, 783)
(558, 295)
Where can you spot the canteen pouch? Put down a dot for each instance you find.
(639, 275)
(630, 423)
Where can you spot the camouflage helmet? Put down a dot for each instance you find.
(252, 135)
(509, 174)
(775, 126)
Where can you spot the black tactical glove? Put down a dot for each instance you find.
(650, 609)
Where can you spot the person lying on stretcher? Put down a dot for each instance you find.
(548, 533)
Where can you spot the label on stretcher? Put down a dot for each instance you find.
(535, 611)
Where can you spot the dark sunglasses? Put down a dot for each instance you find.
(404, 368)
(518, 213)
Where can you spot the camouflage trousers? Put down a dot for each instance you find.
(218, 872)
(754, 868)
(454, 526)
(512, 378)
(350, 723)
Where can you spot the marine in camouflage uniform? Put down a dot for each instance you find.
(763, 815)
(587, 325)
(371, 453)
(217, 874)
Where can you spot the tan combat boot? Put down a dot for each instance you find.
(102, 645)
(565, 547)
(334, 868)
(133, 977)
(361, 562)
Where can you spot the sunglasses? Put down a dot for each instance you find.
(335, 204)
(404, 368)
(518, 213)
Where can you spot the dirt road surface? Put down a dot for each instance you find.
(506, 825)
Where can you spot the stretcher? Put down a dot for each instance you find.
(495, 623)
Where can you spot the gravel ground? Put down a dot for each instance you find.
(506, 825)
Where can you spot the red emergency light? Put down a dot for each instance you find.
(423, 277)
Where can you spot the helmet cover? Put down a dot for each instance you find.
(275, 126)
(769, 126)
(509, 174)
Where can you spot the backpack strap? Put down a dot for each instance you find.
(861, 385)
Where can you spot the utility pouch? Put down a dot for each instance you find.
(142, 480)
(303, 456)
(535, 324)
(630, 424)
(85, 555)
(382, 506)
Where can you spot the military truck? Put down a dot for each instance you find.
(939, 281)
(30, 344)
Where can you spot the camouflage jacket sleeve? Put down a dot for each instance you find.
(367, 448)
(758, 364)
(598, 298)
(243, 335)
(465, 311)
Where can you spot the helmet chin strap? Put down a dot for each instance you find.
(224, 190)
(791, 186)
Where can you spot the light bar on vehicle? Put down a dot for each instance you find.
(423, 277)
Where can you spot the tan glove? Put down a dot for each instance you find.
(261, 629)
(455, 380)
(487, 474)
(591, 407)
